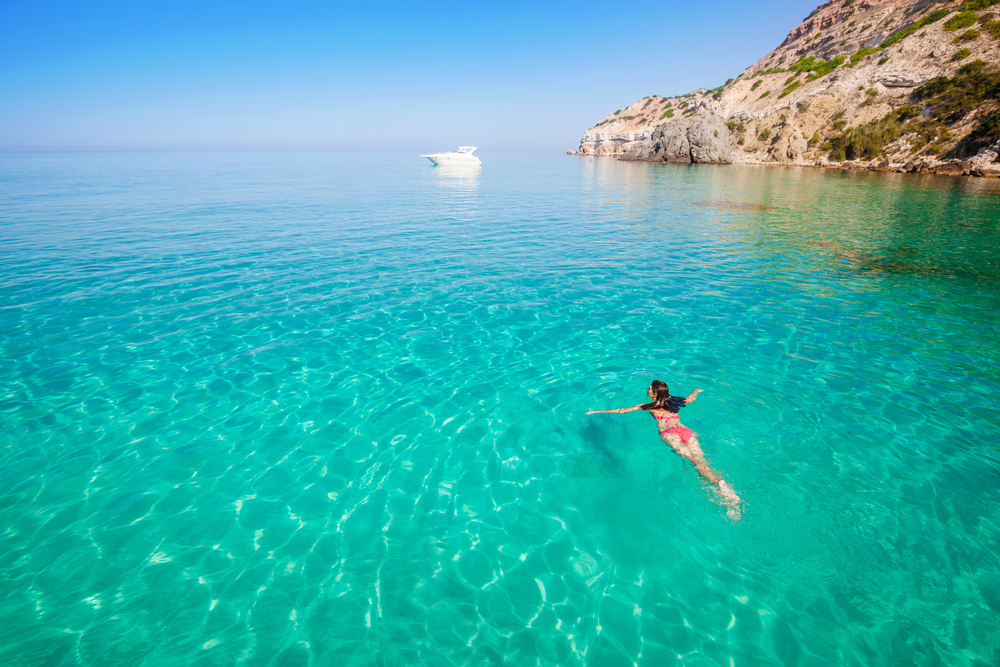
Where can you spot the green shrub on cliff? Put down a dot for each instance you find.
(947, 100)
(755, 86)
(966, 36)
(933, 17)
(989, 130)
(962, 54)
(766, 93)
(818, 68)
(935, 86)
(907, 111)
(977, 4)
(856, 58)
(789, 88)
(961, 20)
(669, 113)
(868, 141)
(773, 70)
(765, 135)
(952, 99)
(992, 27)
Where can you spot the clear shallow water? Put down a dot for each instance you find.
(327, 409)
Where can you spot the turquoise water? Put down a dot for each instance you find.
(327, 409)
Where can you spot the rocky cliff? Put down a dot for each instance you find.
(879, 82)
(703, 138)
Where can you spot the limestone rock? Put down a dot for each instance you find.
(986, 170)
(701, 139)
(984, 157)
(896, 80)
(788, 144)
(954, 168)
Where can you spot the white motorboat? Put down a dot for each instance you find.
(463, 156)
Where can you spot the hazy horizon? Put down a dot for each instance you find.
(226, 76)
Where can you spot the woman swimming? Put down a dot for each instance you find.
(664, 409)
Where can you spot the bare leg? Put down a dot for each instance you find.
(691, 450)
(706, 471)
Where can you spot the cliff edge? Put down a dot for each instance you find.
(887, 83)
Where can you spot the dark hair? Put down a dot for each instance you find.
(661, 396)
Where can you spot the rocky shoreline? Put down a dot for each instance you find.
(971, 167)
(982, 165)
(980, 168)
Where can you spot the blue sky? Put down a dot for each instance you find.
(361, 75)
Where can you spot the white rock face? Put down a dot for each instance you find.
(700, 139)
(896, 80)
(984, 157)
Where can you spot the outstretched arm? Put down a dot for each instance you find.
(618, 410)
(693, 395)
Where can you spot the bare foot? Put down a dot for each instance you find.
(728, 493)
(731, 499)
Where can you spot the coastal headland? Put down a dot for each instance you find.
(886, 85)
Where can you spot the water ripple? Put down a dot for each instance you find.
(325, 408)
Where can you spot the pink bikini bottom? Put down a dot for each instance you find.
(683, 432)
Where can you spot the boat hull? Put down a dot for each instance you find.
(452, 160)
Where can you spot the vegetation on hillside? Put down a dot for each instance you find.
(933, 17)
(789, 88)
(947, 101)
(972, 94)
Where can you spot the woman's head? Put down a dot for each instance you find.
(659, 392)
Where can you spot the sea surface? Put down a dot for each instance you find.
(327, 409)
